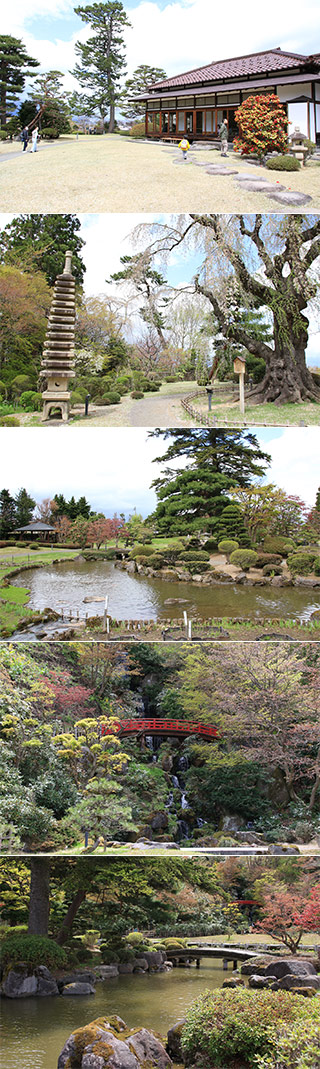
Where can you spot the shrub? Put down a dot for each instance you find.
(9, 421)
(243, 1025)
(210, 545)
(317, 566)
(268, 558)
(50, 133)
(228, 545)
(137, 130)
(31, 401)
(140, 550)
(194, 555)
(76, 398)
(272, 569)
(3, 389)
(19, 384)
(111, 398)
(4, 135)
(137, 394)
(34, 950)
(301, 563)
(283, 163)
(263, 125)
(244, 558)
(278, 544)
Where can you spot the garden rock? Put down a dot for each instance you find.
(283, 850)
(125, 967)
(148, 1048)
(87, 977)
(289, 983)
(290, 967)
(174, 1041)
(259, 982)
(78, 989)
(141, 964)
(234, 981)
(215, 169)
(21, 984)
(154, 958)
(290, 197)
(108, 972)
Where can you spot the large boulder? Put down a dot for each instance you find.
(107, 972)
(97, 1047)
(154, 958)
(259, 982)
(20, 983)
(174, 1041)
(290, 966)
(125, 967)
(148, 1048)
(84, 977)
(289, 982)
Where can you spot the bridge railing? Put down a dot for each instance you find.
(183, 727)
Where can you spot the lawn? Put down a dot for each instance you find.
(305, 414)
(117, 174)
(14, 599)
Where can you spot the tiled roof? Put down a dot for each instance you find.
(256, 63)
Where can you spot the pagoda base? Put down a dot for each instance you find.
(61, 402)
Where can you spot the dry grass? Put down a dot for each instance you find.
(112, 174)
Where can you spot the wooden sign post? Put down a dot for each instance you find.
(239, 367)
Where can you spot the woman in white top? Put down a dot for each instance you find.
(35, 139)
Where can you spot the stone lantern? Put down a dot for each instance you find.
(239, 367)
(297, 145)
(57, 365)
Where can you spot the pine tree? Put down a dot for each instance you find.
(192, 498)
(317, 504)
(14, 67)
(142, 78)
(101, 58)
(39, 242)
(24, 508)
(7, 513)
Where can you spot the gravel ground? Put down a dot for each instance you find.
(113, 174)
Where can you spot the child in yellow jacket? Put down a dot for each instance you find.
(184, 145)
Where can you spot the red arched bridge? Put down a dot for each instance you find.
(175, 728)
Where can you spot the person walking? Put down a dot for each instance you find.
(184, 145)
(25, 138)
(34, 139)
(223, 135)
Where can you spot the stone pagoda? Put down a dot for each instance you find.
(57, 365)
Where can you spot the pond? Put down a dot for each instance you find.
(35, 1030)
(64, 586)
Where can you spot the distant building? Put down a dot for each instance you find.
(196, 102)
(43, 532)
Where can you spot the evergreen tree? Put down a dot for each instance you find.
(24, 508)
(47, 103)
(72, 508)
(101, 59)
(14, 67)
(39, 242)
(7, 514)
(193, 497)
(142, 78)
(231, 525)
(317, 504)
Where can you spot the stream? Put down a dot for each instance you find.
(34, 1030)
(64, 587)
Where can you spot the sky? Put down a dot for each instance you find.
(114, 469)
(174, 34)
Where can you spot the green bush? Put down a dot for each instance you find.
(4, 135)
(231, 1026)
(9, 421)
(194, 555)
(31, 401)
(317, 566)
(50, 133)
(278, 544)
(283, 163)
(137, 394)
(301, 563)
(3, 389)
(137, 130)
(76, 398)
(272, 569)
(268, 558)
(19, 384)
(140, 550)
(210, 545)
(228, 545)
(34, 950)
(111, 398)
(244, 558)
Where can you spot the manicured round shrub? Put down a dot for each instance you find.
(278, 544)
(137, 394)
(239, 1026)
(283, 163)
(137, 130)
(34, 950)
(228, 545)
(268, 558)
(140, 550)
(31, 401)
(156, 561)
(244, 558)
(272, 569)
(194, 555)
(111, 398)
(50, 133)
(301, 563)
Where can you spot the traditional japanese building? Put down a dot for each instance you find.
(36, 530)
(194, 103)
(57, 365)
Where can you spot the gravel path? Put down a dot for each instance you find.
(161, 409)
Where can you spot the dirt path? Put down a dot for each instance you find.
(161, 409)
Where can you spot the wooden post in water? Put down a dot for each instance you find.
(105, 613)
(185, 621)
(189, 635)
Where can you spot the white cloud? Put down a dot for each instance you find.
(295, 461)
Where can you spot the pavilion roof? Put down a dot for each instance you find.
(36, 525)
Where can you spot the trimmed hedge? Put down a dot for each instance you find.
(141, 550)
(34, 950)
(268, 558)
(228, 545)
(194, 555)
(301, 563)
(272, 569)
(283, 163)
(137, 394)
(244, 558)
(112, 398)
(278, 544)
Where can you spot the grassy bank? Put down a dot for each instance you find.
(14, 609)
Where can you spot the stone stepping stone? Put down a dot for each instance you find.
(212, 169)
(256, 178)
(290, 197)
(261, 186)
